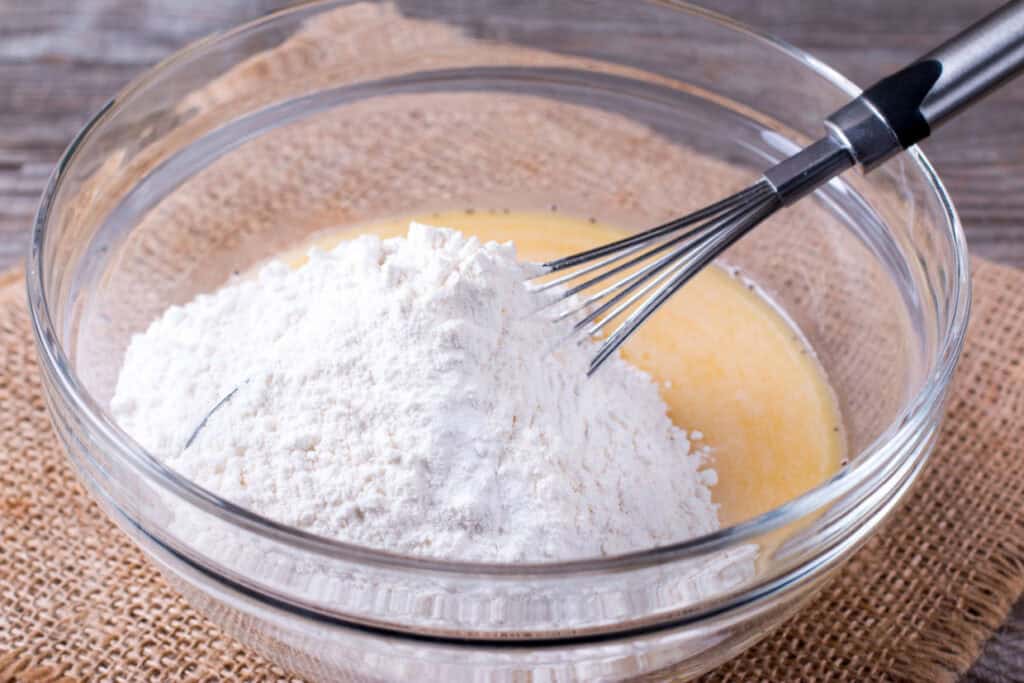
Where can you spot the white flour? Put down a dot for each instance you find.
(398, 394)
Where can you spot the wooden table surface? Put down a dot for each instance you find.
(60, 61)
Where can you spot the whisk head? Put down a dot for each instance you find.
(651, 266)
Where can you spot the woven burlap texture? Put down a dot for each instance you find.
(78, 601)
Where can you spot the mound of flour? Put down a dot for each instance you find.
(398, 394)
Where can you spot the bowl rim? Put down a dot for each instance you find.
(900, 431)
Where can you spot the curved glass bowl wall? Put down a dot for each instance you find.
(247, 142)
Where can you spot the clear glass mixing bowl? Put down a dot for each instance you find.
(245, 143)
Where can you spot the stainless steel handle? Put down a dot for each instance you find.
(975, 62)
(904, 108)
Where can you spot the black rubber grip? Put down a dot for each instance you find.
(898, 98)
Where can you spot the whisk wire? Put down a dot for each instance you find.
(651, 266)
(697, 255)
(583, 271)
(617, 248)
(689, 240)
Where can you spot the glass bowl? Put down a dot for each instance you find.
(247, 142)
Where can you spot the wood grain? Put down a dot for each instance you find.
(60, 61)
(980, 155)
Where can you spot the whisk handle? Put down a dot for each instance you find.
(976, 62)
(904, 108)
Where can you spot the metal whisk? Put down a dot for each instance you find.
(888, 117)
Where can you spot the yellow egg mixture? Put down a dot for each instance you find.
(728, 364)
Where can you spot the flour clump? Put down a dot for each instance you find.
(399, 394)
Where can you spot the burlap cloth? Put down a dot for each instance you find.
(79, 602)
